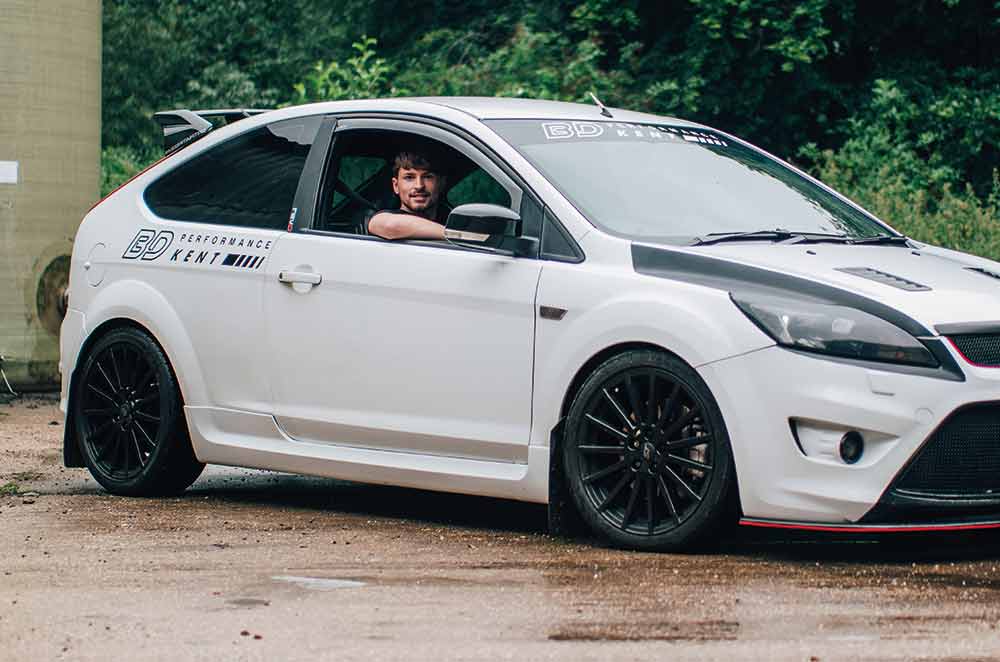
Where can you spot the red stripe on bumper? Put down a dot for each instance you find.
(869, 528)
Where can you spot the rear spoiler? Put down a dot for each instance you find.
(182, 127)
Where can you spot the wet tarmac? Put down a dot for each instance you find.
(257, 565)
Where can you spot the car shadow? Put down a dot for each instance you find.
(506, 516)
(328, 494)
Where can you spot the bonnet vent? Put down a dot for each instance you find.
(886, 279)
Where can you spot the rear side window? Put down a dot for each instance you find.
(248, 181)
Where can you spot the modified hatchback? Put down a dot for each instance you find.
(650, 325)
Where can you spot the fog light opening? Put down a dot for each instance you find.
(852, 446)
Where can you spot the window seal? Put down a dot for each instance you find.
(427, 243)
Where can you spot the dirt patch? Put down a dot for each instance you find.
(659, 631)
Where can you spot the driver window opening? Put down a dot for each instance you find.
(358, 180)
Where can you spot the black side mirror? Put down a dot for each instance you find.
(488, 227)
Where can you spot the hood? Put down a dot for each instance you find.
(929, 285)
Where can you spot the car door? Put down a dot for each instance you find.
(410, 346)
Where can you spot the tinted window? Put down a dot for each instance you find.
(654, 182)
(248, 181)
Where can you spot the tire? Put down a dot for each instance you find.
(647, 456)
(129, 418)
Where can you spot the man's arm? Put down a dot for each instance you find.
(404, 226)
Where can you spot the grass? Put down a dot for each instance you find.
(9, 489)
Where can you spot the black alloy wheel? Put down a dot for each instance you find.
(128, 417)
(647, 453)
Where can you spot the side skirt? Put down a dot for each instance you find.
(244, 439)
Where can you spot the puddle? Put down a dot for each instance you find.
(248, 602)
(318, 583)
(664, 631)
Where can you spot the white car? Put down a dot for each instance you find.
(639, 320)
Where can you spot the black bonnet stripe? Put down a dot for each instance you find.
(737, 278)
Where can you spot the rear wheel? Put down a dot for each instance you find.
(647, 455)
(129, 419)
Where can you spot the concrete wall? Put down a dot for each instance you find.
(50, 126)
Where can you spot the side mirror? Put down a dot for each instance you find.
(480, 225)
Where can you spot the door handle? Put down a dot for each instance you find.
(310, 277)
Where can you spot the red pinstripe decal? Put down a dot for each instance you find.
(967, 359)
(869, 528)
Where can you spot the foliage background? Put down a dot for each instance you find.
(894, 102)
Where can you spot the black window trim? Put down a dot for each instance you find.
(551, 224)
(458, 132)
(307, 192)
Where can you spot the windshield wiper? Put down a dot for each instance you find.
(899, 239)
(719, 237)
(785, 236)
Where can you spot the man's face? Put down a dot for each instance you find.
(418, 189)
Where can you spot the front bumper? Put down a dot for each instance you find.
(772, 396)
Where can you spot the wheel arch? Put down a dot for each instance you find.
(140, 306)
(597, 359)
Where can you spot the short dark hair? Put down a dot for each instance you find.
(408, 159)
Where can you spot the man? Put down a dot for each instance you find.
(418, 185)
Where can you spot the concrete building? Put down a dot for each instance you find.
(50, 141)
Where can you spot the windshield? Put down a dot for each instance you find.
(674, 184)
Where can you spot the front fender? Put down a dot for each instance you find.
(699, 325)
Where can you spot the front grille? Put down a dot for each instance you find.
(979, 348)
(960, 460)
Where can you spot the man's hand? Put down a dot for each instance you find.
(404, 226)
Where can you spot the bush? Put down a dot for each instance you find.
(119, 164)
(899, 162)
(950, 217)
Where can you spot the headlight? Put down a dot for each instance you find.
(837, 330)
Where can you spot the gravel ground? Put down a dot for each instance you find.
(258, 565)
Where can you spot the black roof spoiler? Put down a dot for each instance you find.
(182, 127)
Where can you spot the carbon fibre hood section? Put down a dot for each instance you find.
(930, 286)
(739, 278)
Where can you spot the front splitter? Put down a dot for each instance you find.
(869, 528)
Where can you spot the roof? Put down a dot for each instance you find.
(486, 108)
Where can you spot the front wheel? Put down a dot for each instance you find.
(129, 419)
(647, 455)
